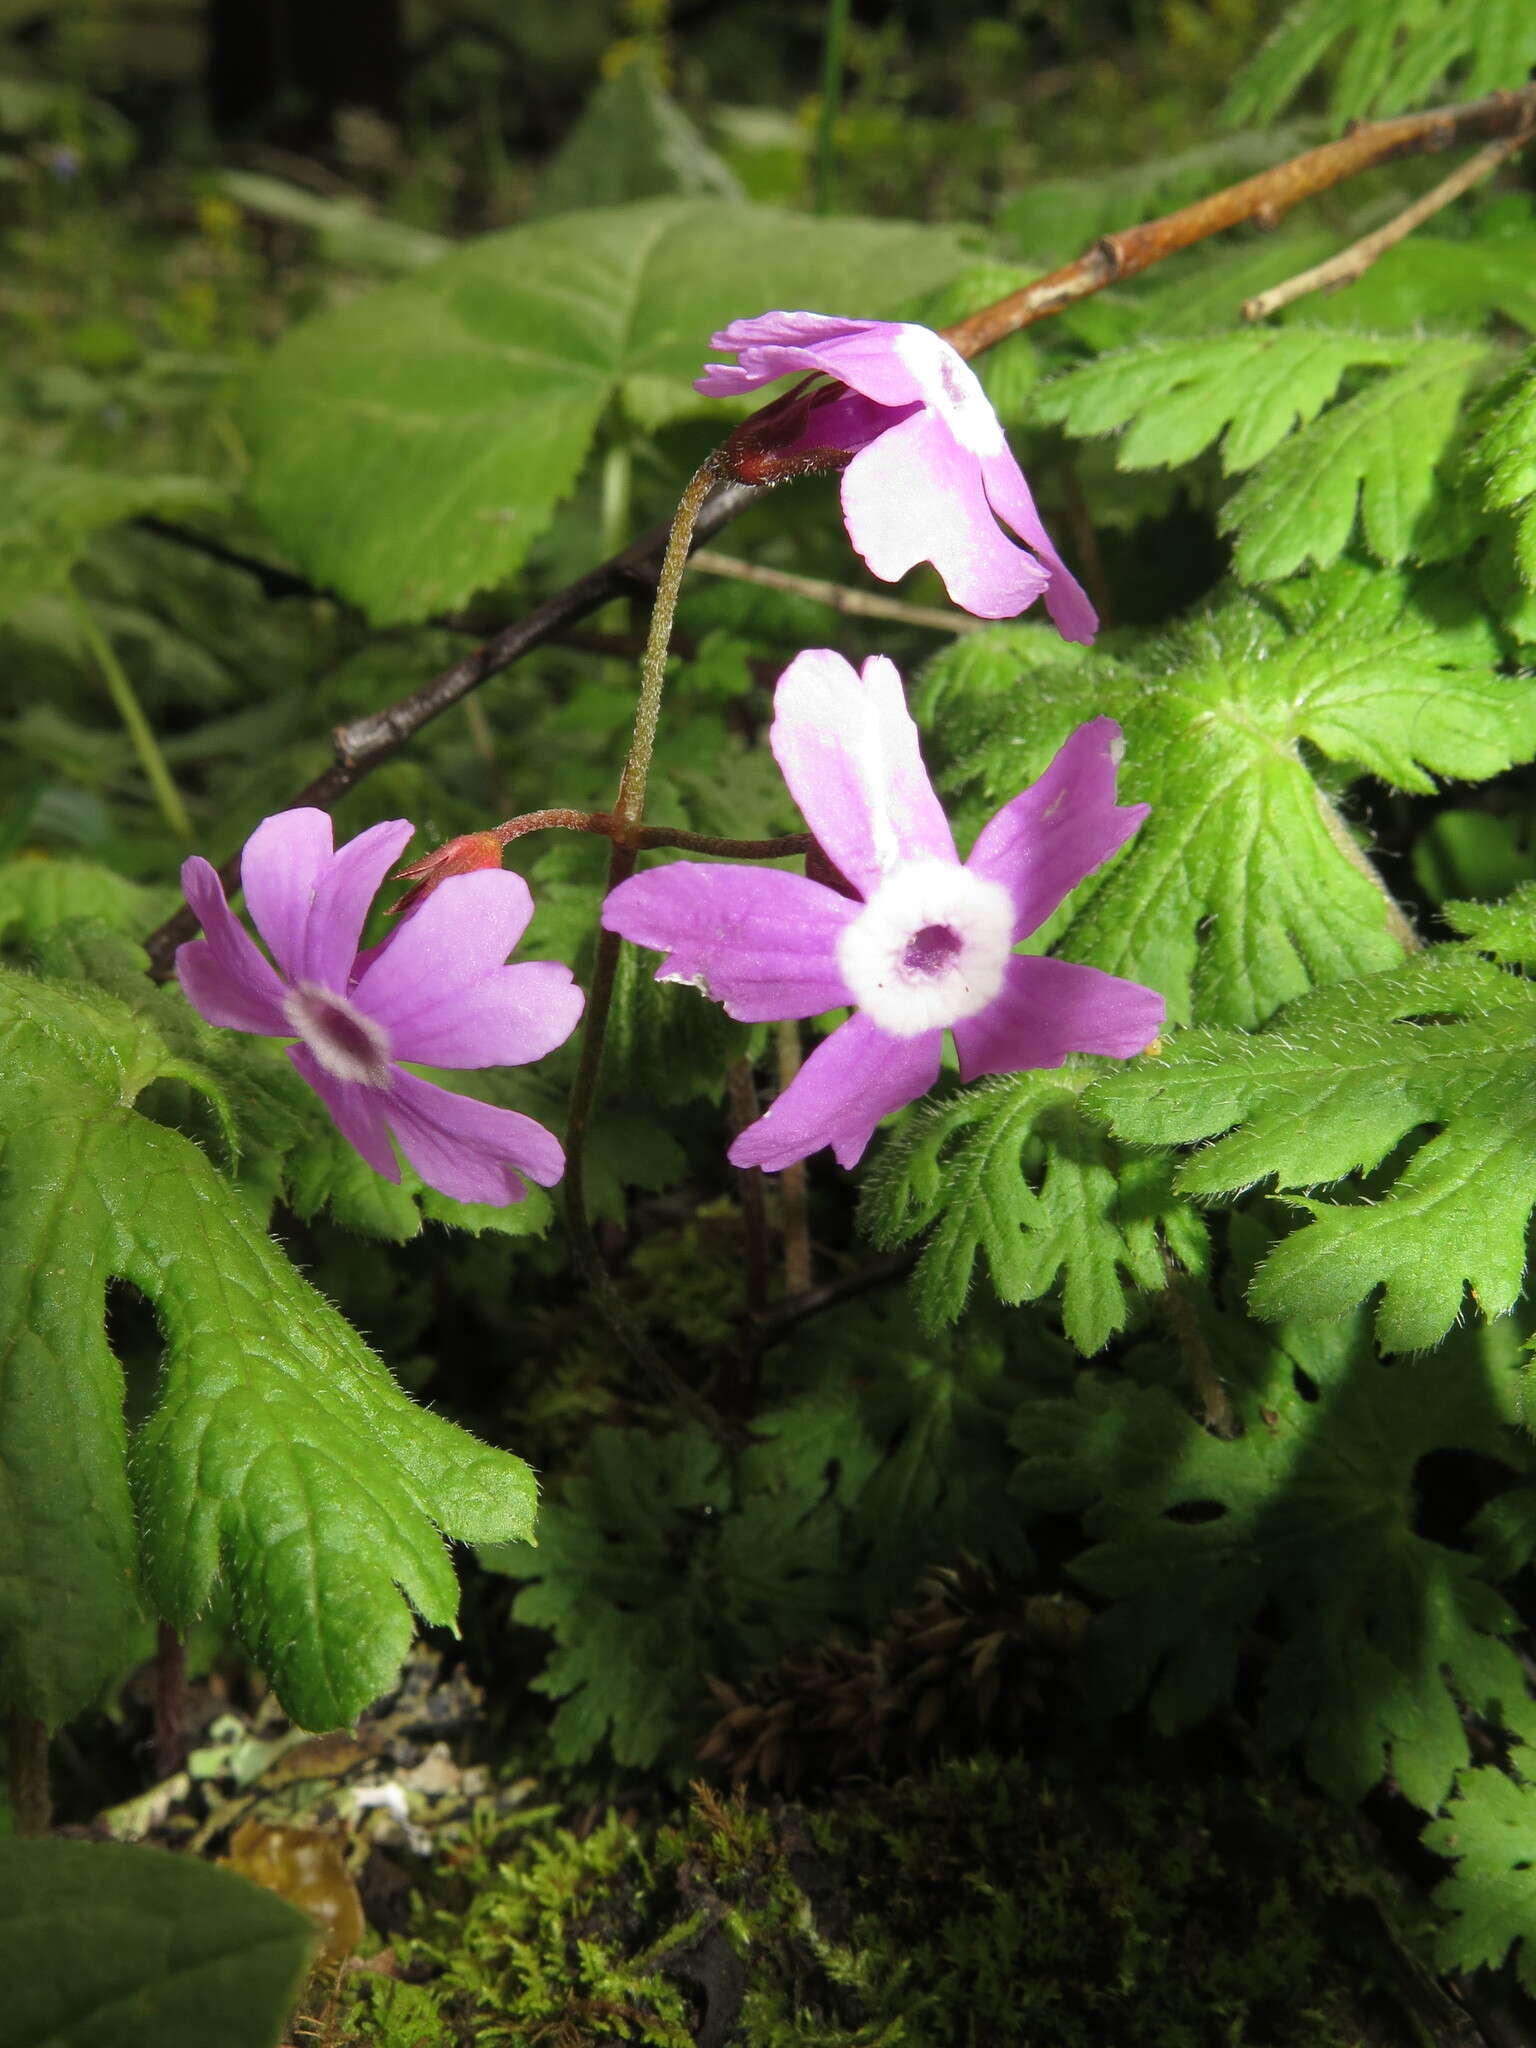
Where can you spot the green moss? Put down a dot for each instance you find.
(991, 1903)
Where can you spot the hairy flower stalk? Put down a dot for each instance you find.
(915, 941)
(436, 991)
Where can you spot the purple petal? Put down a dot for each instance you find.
(852, 1080)
(1050, 1008)
(468, 1149)
(1042, 844)
(762, 942)
(915, 495)
(451, 939)
(1010, 498)
(511, 1016)
(224, 977)
(343, 894)
(849, 752)
(357, 1112)
(280, 870)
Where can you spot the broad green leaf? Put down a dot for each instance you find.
(49, 512)
(1245, 886)
(279, 1454)
(36, 896)
(1505, 453)
(1301, 1529)
(1013, 1169)
(631, 141)
(1391, 56)
(106, 1946)
(1332, 1089)
(1378, 453)
(409, 447)
(1248, 389)
(1487, 1829)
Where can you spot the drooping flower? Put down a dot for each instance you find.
(929, 472)
(435, 991)
(924, 945)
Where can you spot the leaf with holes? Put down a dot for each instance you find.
(278, 1454)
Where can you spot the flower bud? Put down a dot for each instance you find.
(461, 856)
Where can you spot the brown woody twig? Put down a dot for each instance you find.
(1353, 262)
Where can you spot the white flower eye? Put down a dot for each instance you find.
(349, 1045)
(929, 948)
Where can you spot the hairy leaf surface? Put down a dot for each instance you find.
(279, 1453)
(1442, 1052)
(1244, 887)
(1491, 1897)
(1013, 1170)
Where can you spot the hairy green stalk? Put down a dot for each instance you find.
(137, 726)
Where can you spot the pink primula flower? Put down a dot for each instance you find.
(924, 946)
(931, 473)
(436, 990)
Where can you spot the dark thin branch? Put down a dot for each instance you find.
(361, 746)
(785, 1315)
(275, 582)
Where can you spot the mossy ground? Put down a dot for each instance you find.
(1082, 1901)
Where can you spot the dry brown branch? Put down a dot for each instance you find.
(859, 604)
(1353, 262)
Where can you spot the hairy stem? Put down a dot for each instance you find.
(137, 726)
(1349, 846)
(629, 807)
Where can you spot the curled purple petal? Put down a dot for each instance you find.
(224, 976)
(914, 496)
(280, 870)
(468, 1149)
(762, 942)
(1012, 500)
(357, 1112)
(850, 755)
(1048, 1009)
(1043, 843)
(853, 1079)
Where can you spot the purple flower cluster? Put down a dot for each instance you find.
(914, 940)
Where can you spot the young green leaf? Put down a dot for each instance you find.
(1249, 389)
(1394, 56)
(1338, 1082)
(1013, 1169)
(279, 1452)
(661, 1566)
(409, 447)
(1244, 887)
(1301, 1529)
(1487, 1828)
(1379, 452)
(105, 1946)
